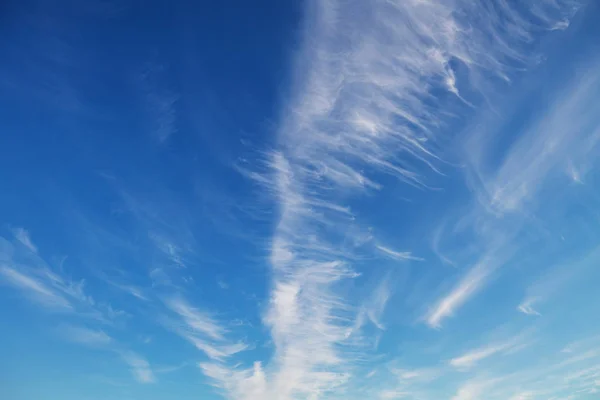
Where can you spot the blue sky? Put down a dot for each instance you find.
(300, 200)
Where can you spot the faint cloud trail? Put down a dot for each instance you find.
(364, 102)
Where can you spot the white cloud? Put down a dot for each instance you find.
(498, 249)
(470, 359)
(564, 131)
(30, 274)
(202, 330)
(132, 290)
(533, 162)
(23, 236)
(171, 250)
(465, 288)
(556, 279)
(365, 102)
(527, 307)
(240, 384)
(474, 389)
(140, 368)
(362, 104)
(522, 396)
(217, 351)
(196, 320)
(552, 376)
(375, 304)
(85, 336)
(473, 357)
(56, 292)
(38, 291)
(36, 281)
(394, 394)
(398, 255)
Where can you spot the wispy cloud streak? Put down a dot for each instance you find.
(539, 156)
(27, 272)
(140, 368)
(23, 236)
(202, 330)
(38, 291)
(363, 105)
(471, 358)
(463, 290)
(566, 130)
(85, 336)
(398, 255)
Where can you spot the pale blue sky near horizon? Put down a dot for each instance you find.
(287, 200)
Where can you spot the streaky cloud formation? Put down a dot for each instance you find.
(362, 103)
(139, 367)
(202, 331)
(371, 199)
(23, 236)
(471, 358)
(35, 289)
(59, 294)
(85, 336)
